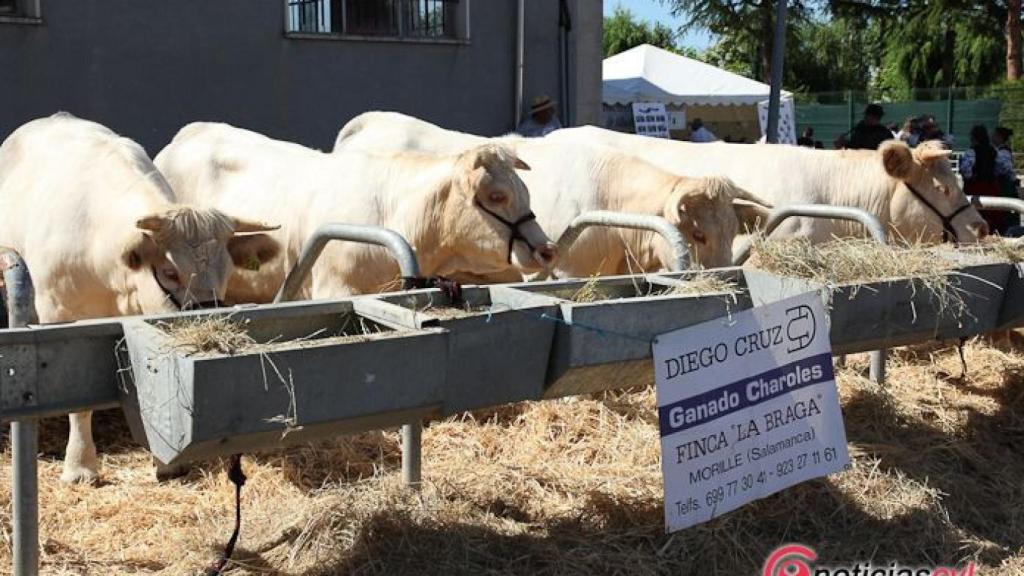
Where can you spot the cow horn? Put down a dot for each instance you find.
(152, 223)
(243, 226)
(927, 155)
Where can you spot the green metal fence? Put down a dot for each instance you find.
(956, 110)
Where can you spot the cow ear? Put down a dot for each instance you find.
(151, 223)
(141, 252)
(897, 159)
(751, 215)
(250, 252)
(520, 165)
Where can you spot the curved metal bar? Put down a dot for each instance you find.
(314, 246)
(656, 224)
(871, 223)
(19, 297)
(783, 213)
(997, 203)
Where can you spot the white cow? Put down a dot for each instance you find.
(463, 214)
(102, 235)
(568, 179)
(910, 191)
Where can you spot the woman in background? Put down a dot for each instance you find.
(978, 169)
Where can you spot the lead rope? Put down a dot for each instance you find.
(963, 360)
(237, 478)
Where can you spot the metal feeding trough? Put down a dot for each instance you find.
(301, 371)
(603, 340)
(499, 340)
(1011, 315)
(895, 312)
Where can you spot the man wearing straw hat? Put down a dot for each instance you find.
(542, 120)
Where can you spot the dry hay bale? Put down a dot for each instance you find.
(550, 488)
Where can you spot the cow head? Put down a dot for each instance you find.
(927, 189)
(710, 212)
(488, 224)
(186, 256)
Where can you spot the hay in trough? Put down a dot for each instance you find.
(849, 261)
(589, 292)
(855, 261)
(704, 283)
(212, 334)
(554, 488)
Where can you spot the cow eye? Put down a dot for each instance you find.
(699, 237)
(171, 275)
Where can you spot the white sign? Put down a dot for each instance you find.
(650, 119)
(747, 407)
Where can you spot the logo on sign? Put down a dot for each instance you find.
(800, 329)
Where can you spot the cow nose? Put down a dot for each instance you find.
(546, 255)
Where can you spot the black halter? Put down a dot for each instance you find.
(948, 231)
(513, 226)
(177, 303)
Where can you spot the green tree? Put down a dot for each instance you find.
(745, 29)
(623, 31)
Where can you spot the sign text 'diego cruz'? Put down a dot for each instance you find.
(746, 408)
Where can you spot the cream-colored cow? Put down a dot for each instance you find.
(570, 178)
(102, 235)
(464, 214)
(910, 191)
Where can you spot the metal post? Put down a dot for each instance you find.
(949, 112)
(412, 441)
(657, 224)
(409, 267)
(873, 226)
(851, 111)
(393, 241)
(20, 301)
(778, 59)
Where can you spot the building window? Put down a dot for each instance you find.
(416, 19)
(15, 10)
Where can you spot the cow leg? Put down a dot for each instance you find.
(80, 462)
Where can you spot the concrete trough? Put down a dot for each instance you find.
(606, 343)
(318, 369)
(499, 340)
(897, 312)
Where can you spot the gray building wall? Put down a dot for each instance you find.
(145, 68)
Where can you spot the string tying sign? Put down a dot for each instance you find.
(746, 408)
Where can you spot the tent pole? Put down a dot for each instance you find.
(778, 58)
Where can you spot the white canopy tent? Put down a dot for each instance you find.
(650, 74)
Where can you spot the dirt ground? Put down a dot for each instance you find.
(566, 487)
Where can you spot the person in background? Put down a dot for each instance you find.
(869, 133)
(543, 118)
(806, 139)
(910, 132)
(930, 130)
(978, 169)
(698, 133)
(1009, 183)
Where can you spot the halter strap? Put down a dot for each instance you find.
(512, 226)
(948, 231)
